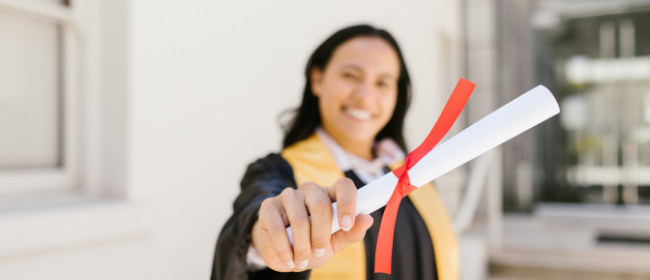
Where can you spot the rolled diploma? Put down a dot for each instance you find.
(521, 114)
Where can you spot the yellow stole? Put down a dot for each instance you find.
(311, 161)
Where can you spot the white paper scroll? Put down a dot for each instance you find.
(526, 111)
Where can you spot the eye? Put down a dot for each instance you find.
(350, 75)
(384, 84)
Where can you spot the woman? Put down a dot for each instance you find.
(346, 133)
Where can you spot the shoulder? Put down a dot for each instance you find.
(271, 167)
(270, 161)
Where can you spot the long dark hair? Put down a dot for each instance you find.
(307, 116)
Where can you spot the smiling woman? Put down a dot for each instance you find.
(355, 49)
(346, 133)
(357, 92)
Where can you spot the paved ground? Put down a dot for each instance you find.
(563, 243)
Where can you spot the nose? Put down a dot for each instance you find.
(364, 92)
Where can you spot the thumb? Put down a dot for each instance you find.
(342, 239)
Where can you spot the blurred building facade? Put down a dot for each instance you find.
(575, 192)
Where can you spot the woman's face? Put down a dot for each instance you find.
(357, 91)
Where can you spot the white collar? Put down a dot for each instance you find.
(387, 151)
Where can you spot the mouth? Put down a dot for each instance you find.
(358, 114)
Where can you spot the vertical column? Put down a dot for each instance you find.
(630, 144)
(608, 112)
(481, 53)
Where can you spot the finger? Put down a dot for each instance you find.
(271, 221)
(342, 239)
(293, 204)
(345, 194)
(320, 208)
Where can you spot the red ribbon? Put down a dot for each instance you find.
(455, 104)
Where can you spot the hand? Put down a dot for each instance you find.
(314, 245)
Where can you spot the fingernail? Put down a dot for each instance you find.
(346, 223)
(319, 252)
(302, 264)
(290, 264)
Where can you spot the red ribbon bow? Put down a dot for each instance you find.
(455, 104)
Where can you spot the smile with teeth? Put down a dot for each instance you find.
(358, 114)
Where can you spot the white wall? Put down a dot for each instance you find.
(207, 81)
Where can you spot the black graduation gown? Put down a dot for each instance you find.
(413, 256)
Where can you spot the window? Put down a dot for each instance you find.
(38, 98)
(63, 126)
